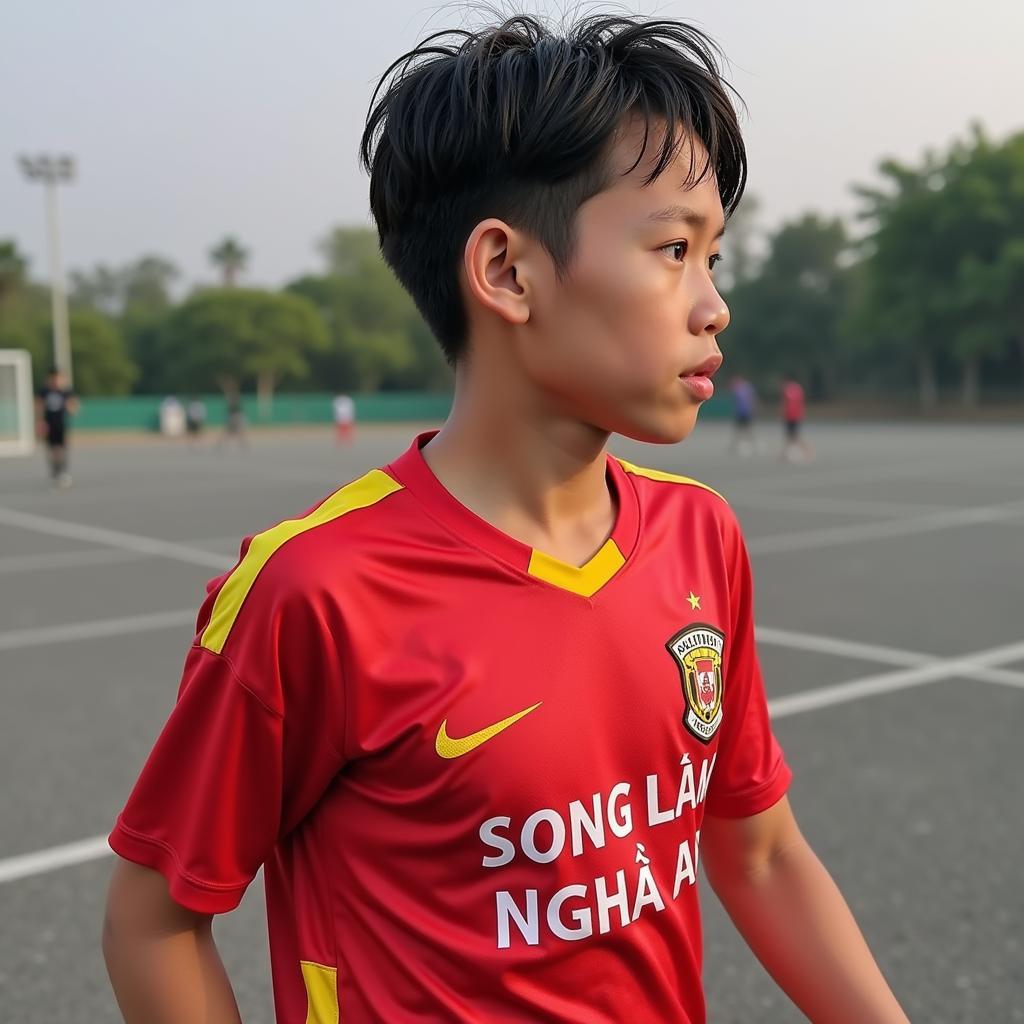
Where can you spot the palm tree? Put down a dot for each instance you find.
(231, 257)
(13, 268)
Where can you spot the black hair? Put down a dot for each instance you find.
(515, 121)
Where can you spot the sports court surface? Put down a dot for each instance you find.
(890, 600)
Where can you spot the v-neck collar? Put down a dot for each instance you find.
(412, 471)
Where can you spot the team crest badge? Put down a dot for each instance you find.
(698, 652)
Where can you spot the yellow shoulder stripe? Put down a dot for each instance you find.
(361, 493)
(657, 474)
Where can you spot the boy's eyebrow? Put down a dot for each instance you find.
(683, 214)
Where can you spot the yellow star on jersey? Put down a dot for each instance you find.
(694, 602)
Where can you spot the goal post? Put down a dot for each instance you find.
(16, 412)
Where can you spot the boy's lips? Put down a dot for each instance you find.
(705, 369)
(698, 380)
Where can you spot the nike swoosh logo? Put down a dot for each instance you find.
(450, 747)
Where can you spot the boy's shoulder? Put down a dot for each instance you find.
(660, 476)
(299, 561)
(682, 498)
(359, 507)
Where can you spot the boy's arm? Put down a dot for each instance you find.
(162, 961)
(786, 906)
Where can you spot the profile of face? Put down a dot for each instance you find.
(625, 339)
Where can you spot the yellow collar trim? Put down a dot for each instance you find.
(585, 580)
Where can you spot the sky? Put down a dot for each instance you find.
(199, 118)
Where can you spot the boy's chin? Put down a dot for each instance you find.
(661, 430)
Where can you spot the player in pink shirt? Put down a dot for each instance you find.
(795, 447)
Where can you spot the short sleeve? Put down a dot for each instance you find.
(750, 773)
(253, 742)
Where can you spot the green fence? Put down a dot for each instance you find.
(142, 412)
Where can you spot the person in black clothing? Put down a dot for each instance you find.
(234, 426)
(54, 404)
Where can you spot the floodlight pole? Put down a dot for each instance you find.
(51, 171)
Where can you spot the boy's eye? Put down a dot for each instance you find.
(677, 251)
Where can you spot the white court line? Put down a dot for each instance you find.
(44, 636)
(112, 538)
(843, 648)
(26, 865)
(918, 469)
(831, 536)
(841, 506)
(890, 682)
(883, 655)
(105, 556)
(67, 559)
(55, 857)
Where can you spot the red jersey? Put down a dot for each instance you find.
(792, 402)
(475, 775)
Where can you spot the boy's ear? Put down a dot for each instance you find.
(493, 264)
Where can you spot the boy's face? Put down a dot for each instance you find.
(625, 340)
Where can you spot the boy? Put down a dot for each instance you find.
(54, 404)
(479, 713)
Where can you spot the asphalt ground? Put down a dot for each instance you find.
(890, 603)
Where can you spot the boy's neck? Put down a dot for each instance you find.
(536, 477)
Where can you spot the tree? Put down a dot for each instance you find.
(897, 314)
(99, 289)
(787, 318)
(138, 297)
(102, 366)
(285, 329)
(335, 368)
(1006, 288)
(230, 257)
(367, 322)
(146, 302)
(222, 337)
(13, 270)
(24, 309)
(942, 278)
(378, 340)
(346, 250)
(739, 247)
(988, 190)
(146, 284)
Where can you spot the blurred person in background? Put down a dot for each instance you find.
(172, 417)
(744, 405)
(344, 419)
(234, 425)
(195, 420)
(55, 404)
(795, 448)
